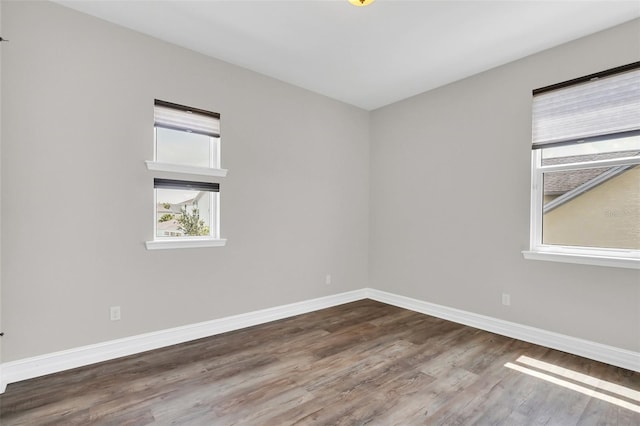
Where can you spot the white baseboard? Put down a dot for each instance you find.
(585, 348)
(28, 368)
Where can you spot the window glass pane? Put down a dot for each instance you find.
(184, 148)
(598, 207)
(592, 151)
(181, 213)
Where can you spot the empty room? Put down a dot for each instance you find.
(319, 212)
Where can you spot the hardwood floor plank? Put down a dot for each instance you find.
(359, 363)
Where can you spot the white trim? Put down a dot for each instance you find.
(216, 211)
(189, 170)
(585, 348)
(184, 242)
(616, 258)
(584, 259)
(536, 200)
(28, 368)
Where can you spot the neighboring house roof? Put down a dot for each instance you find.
(562, 182)
(570, 184)
(177, 207)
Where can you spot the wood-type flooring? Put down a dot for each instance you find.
(360, 363)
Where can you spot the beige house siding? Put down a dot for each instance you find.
(605, 216)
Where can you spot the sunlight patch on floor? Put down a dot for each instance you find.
(566, 378)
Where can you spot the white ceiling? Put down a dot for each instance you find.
(366, 56)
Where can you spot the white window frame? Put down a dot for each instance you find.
(623, 258)
(214, 147)
(189, 173)
(213, 170)
(559, 120)
(213, 240)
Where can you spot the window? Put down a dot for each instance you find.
(186, 145)
(185, 209)
(186, 140)
(585, 198)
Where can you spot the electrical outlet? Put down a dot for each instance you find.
(506, 299)
(114, 312)
(327, 279)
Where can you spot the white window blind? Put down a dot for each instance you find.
(180, 117)
(607, 106)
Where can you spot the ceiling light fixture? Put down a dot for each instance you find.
(361, 2)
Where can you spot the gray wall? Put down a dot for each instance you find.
(78, 201)
(450, 185)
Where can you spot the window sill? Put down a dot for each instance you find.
(584, 259)
(184, 243)
(191, 170)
